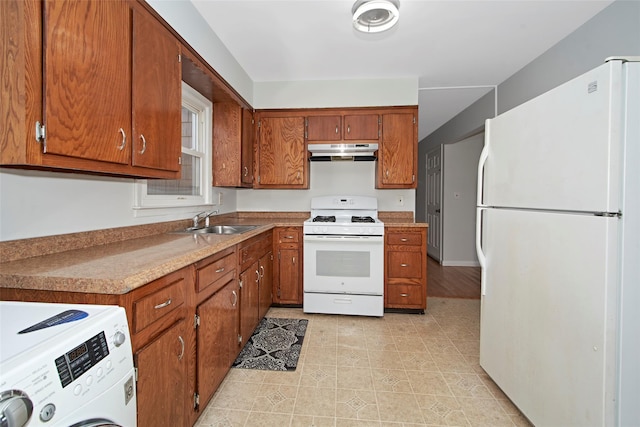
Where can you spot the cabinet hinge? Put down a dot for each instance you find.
(239, 339)
(196, 400)
(413, 178)
(240, 284)
(40, 132)
(259, 123)
(180, 160)
(196, 321)
(179, 58)
(135, 373)
(258, 179)
(278, 293)
(414, 120)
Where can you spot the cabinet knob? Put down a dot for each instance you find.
(404, 239)
(257, 276)
(404, 265)
(404, 295)
(124, 139)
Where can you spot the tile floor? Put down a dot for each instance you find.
(399, 370)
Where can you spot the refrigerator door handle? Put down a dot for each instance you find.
(483, 158)
(482, 259)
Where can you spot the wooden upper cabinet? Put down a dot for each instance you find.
(324, 128)
(344, 127)
(157, 95)
(87, 79)
(246, 158)
(398, 152)
(362, 127)
(101, 78)
(281, 153)
(232, 145)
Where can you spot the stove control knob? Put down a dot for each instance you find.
(119, 338)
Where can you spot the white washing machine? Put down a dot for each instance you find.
(65, 365)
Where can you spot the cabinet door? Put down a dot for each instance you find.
(397, 161)
(289, 286)
(324, 128)
(246, 157)
(266, 284)
(157, 96)
(281, 155)
(162, 379)
(249, 300)
(217, 338)
(361, 127)
(227, 134)
(87, 79)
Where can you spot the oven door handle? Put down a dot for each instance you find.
(327, 237)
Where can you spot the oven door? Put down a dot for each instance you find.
(344, 264)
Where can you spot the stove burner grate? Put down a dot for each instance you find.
(324, 218)
(362, 219)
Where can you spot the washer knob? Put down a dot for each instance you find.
(119, 338)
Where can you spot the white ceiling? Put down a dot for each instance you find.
(446, 44)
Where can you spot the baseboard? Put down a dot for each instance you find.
(460, 264)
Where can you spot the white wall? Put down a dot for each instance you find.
(459, 187)
(326, 179)
(336, 93)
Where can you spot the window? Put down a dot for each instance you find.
(194, 186)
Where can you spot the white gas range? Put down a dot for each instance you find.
(344, 257)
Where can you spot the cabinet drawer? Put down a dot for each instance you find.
(150, 308)
(404, 264)
(405, 238)
(209, 274)
(254, 249)
(404, 295)
(288, 236)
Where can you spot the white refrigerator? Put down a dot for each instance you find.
(558, 235)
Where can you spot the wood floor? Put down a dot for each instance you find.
(452, 282)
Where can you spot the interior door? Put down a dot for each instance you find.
(434, 203)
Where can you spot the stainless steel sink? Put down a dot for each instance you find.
(220, 229)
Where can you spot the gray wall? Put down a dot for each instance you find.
(613, 32)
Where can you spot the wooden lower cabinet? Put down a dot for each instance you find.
(255, 263)
(162, 372)
(217, 338)
(405, 281)
(287, 275)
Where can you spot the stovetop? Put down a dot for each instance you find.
(344, 215)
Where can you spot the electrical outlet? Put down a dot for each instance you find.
(220, 199)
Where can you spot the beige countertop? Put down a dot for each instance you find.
(116, 261)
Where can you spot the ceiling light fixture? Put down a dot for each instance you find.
(375, 16)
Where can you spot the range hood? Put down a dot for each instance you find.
(329, 152)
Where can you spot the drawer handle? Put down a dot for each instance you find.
(257, 276)
(246, 171)
(262, 269)
(293, 260)
(404, 265)
(404, 295)
(337, 130)
(163, 305)
(144, 144)
(288, 237)
(182, 350)
(235, 298)
(404, 239)
(220, 270)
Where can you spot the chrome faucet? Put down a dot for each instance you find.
(205, 215)
(208, 215)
